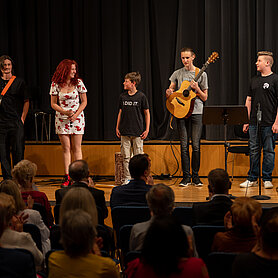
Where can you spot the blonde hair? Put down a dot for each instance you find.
(242, 209)
(24, 172)
(8, 204)
(11, 188)
(79, 198)
(268, 56)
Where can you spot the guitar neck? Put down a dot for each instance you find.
(204, 67)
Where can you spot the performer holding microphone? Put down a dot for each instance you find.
(68, 99)
(262, 104)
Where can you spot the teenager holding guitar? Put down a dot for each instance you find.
(191, 124)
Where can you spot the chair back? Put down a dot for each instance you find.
(128, 215)
(220, 264)
(238, 130)
(16, 263)
(57, 213)
(204, 235)
(55, 236)
(35, 233)
(124, 235)
(183, 215)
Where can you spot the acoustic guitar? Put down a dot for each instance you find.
(181, 103)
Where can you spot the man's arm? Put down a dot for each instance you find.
(275, 125)
(147, 120)
(25, 110)
(171, 89)
(203, 95)
(118, 123)
(248, 105)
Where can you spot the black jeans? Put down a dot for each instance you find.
(11, 141)
(191, 127)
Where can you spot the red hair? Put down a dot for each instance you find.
(62, 72)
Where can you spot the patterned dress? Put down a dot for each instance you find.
(69, 101)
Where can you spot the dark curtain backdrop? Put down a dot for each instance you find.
(109, 38)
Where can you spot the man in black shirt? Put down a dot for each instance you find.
(262, 104)
(14, 105)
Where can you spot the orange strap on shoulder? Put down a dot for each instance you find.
(8, 85)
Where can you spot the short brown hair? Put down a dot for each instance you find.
(134, 77)
(160, 199)
(268, 55)
(184, 49)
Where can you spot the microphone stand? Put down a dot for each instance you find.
(259, 119)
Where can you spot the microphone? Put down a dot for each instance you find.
(259, 112)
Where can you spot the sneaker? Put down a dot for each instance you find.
(248, 183)
(196, 181)
(268, 185)
(185, 182)
(66, 182)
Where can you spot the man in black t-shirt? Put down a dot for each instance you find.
(14, 105)
(262, 104)
(133, 106)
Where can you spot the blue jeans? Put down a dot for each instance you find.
(191, 127)
(267, 138)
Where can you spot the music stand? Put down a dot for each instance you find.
(225, 115)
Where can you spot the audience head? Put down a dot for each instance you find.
(79, 170)
(160, 200)
(24, 172)
(268, 231)
(164, 245)
(79, 198)
(139, 166)
(8, 205)
(242, 210)
(77, 233)
(11, 188)
(219, 182)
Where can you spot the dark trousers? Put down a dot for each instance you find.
(11, 141)
(191, 127)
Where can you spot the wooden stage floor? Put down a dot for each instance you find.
(184, 196)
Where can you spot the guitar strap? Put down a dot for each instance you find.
(171, 120)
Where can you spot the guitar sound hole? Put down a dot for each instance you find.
(185, 93)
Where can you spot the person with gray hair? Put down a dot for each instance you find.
(160, 200)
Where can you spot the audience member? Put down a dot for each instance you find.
(160, 200)
(213, 211)
(166, 253)
(78, 237)
(13, 263)
(13, 235)
(79, 173)
(10, 187)
(24, 173)
(263, 260)
(240, 236)
(134, 193)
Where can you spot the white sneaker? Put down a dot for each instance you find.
(248, 183)
(268, 185)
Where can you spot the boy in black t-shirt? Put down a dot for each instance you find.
(133, 105)
(262, 104)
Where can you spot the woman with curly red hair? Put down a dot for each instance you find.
(68, 99)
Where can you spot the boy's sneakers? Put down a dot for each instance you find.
(268, 185)
(66, 181)
(196, 181)
(185, 182)
(248, 183)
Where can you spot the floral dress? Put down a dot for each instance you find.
(69, 101)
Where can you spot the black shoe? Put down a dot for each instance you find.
(196, 181)
(185, 182)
